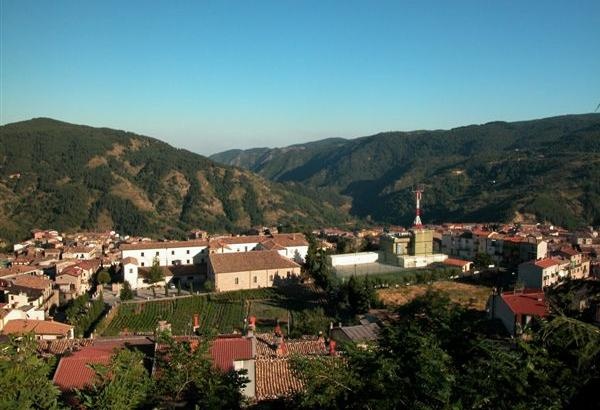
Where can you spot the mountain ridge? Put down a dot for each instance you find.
(457, 167)
(65, 176)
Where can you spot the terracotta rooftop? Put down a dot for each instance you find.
(91, 264)
(569, 251)
(32, 282)
(72, 270)
(266, 346)
(61, 346)
(129, 260)
(225, 350)
(73, 372)
(275, 378)
(163, 245)
(456, 262)
(79, 249)
(38, 327)
(548, 262)
(17, 270)
(528, 302)
(249, 261)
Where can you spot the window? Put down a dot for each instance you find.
(130, 270)
(142, 263)
(255, 279)
(187, 251)
(246, 249)
(157, 253)
(271, 278)
(172, 252)
(188, 262)
(237, 281)
(142, 253)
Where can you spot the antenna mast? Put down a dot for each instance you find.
(418, 191)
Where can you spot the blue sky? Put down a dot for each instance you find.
(215, 75)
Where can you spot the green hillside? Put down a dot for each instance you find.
(65, 176)
(547, 169)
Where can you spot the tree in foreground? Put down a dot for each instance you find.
(25, 378)
(187, 375)
(122, 384)
(441, 355)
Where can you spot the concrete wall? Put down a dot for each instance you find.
(500, 310)
(130, 274)
(359, 258)
(249, 390)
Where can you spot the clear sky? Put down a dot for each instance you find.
(215, 75)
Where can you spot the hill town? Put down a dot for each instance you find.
(262, 301)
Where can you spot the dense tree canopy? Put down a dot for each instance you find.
(25, 377)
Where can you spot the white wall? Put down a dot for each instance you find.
(358, 258)
(168, 256)
(130, 274)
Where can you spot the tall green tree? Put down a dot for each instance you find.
(25, 377)
(155, 274)
(126, 292)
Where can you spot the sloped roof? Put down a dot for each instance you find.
(163, 245)
(225, 350)
(38, 327)
(456, 262)
(73, 372)
(249, 261)
(32, 282)
(528, 302)
(548, 262)
(129, 260)
(360, 333)
(275, 378)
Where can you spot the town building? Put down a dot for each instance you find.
(409, 249)
(250, 270)
(516, 309)
(41, 329)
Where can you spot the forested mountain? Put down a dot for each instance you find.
(547, 169)
(64, 176)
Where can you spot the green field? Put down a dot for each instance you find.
(222, 312)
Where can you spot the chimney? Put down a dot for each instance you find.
(196, 321)
(281, 349)
(251, 326)
(332, 351)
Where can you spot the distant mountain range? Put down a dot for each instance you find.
(65, 176)
(544, 170)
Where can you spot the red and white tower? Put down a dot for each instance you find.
(418, 192)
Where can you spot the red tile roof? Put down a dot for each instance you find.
(32, 282)
(456, 262)
(275, 378)
(129, 260)
(569, 251)
(548, 262)
(38, 327)
(225, 350)
(73, 372)
(528, 302)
